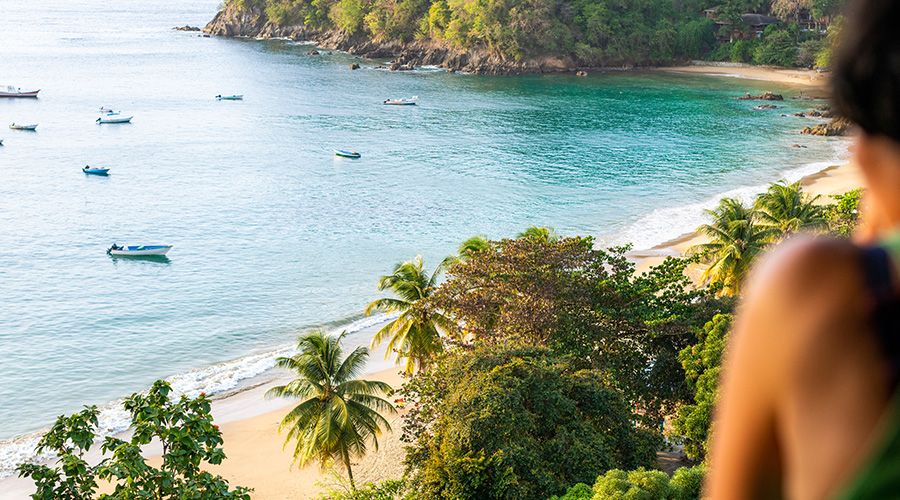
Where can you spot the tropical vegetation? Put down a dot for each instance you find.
(591, 32)
(338, 415)
(415, 334)
(184, 428)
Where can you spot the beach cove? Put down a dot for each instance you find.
(283, 237)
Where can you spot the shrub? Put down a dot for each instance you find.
(778, 48)
(742, 51)
(702, 363)
(808, 52)
(385, 490)
(642, 484)
(843, 216)
(580, 491)
(184, 428)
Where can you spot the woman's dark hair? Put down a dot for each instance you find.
(865, 82)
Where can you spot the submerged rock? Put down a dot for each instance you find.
(186, 28)
(765, 106)
(313, 52)
(581, 72)
(354, 66)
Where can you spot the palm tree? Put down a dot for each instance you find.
(466, 250)
(539, 233)
(415, 335)
(788, 209)
(338, 414)
(735, 240)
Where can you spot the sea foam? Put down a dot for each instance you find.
(220, 378)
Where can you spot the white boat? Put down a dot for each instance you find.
(116, 118)
(138, 250)
(20, 126)
(235, 97)
(11, 91)
(402, 102)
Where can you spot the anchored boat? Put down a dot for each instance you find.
(236, 97)
(114, 118)
(11, 91)
(402, 102)
(138, 250)
(343, 153)
(95, 170)
(19, 126)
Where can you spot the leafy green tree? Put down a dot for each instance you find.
(778, 48)
(827, 8)
(789, 210)
(515, 422)
(843, 216)
(580, 491)
(385, 490)
(348, 15)
(736, 239)
(184, 428)
(415, 335)
(702, 364)
(338, 414)
(582, 302)
(823, 58)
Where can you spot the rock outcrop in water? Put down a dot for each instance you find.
(251, 21)
(837, 126)
(765, 96)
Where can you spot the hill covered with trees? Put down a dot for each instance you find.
(513, 36)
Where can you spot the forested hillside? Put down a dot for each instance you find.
(584, 33)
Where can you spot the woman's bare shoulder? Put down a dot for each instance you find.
(808, 269)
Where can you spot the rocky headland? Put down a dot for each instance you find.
(252, 22)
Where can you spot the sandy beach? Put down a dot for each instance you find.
(803, 77)
(834, 180)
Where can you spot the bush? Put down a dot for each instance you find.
(808, 52)
(638, 484)
(184, 428)
(702, 363)
(843, 216)
(742, 51)
(385, 490)
(580, 491)
(778, 48)
(642, 484)
(687, 482)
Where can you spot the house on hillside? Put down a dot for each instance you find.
(751, 25)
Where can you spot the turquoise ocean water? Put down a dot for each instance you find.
(274, 235)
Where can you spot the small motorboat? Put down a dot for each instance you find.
(19, 126)
(235, 97)
(344, 153)
(138, 250)
(95, 170)
(402, 102)
(114, 118)
(11, 91)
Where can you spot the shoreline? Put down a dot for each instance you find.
(829, 181)
(249, 421)
(804, 77)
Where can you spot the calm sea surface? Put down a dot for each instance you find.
(272, 234)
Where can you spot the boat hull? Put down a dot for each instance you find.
(141, 251)
(115, 119)
(399, 104)
(96, 171)
(32, 93)
(348, 154)
(230, 98)
(24, 127)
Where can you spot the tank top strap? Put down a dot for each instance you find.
(879, 264)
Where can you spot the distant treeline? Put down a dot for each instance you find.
(593, 32)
